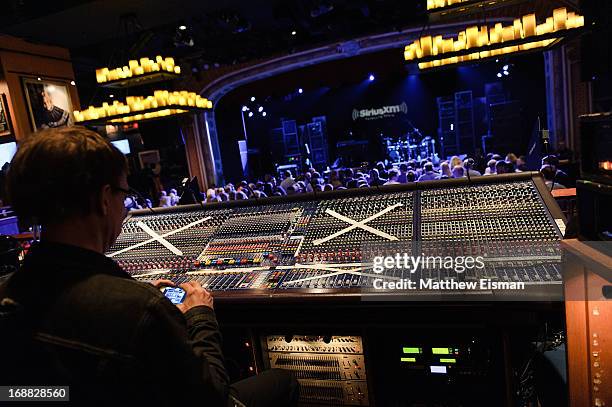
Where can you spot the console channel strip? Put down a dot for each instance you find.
(331, 370)
(261, 235)
(509, 211)
(340, 227)
(165, 241)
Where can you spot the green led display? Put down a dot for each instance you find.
(408, 360)
(440, 351)
(411, 350)
(448, 360)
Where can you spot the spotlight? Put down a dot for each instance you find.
(300, 90)
(244, 108)
(506, 73)
(250, 114)
(293, 32)
(73, 83)
(252, 98)
(182, 27)
(111, 96)
(371, 77)
(499, 75)
(260, 109)
(39, 79)
(264, 114)
(506, 67)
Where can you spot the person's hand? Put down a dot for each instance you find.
(162, 283)
(195, 296)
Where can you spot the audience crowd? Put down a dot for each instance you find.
(380, 174)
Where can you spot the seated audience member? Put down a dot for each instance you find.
(164, 200)
(258, 194)
(490, 170)
(287, 180)
(241, 196)
(402, 179)
(455, 161)
(445, 171)
(374, 179)
(411, 176)
(502, 167)
(549, 174)
(131, 203)
(223, 196)
(293, 189)
(521, 164)
(458, 171)
(280, 191)
(78, 319)
(211, 196)
(428, 173)
(174, 198)
(382, 171)
(497, 157)
(334, 179)
(328, 187)
(268, 188)
(348, 176)
(560, 175)
(473, 172)
(393, 177)
(511, 157)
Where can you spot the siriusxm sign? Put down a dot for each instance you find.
(380, 113)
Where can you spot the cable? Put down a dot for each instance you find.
(468, 165)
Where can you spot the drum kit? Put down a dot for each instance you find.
(406, 147)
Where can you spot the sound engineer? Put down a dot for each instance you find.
(71, 316)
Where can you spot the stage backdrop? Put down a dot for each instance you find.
(389, 106)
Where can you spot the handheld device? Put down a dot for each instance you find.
(176, 295)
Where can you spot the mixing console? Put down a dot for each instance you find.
(328, 242)
(331, 371)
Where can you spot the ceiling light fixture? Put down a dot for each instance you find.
(139, 72)
(484, 42)
(138, 108)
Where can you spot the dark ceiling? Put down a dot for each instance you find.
(218, 32)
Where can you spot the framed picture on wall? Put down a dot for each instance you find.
(5, 118)
(48, 102)
(149, 158)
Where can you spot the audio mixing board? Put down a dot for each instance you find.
(312, 245)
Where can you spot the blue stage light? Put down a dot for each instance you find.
(372, 77)
(244, 108)
(300, 90)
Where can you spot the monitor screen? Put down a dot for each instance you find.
(7, 151)
(122, 145)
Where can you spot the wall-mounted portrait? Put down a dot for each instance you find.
(5, 117)
(49, 103)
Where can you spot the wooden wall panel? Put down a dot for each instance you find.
(19, 58)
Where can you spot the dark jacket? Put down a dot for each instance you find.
(82, 321)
